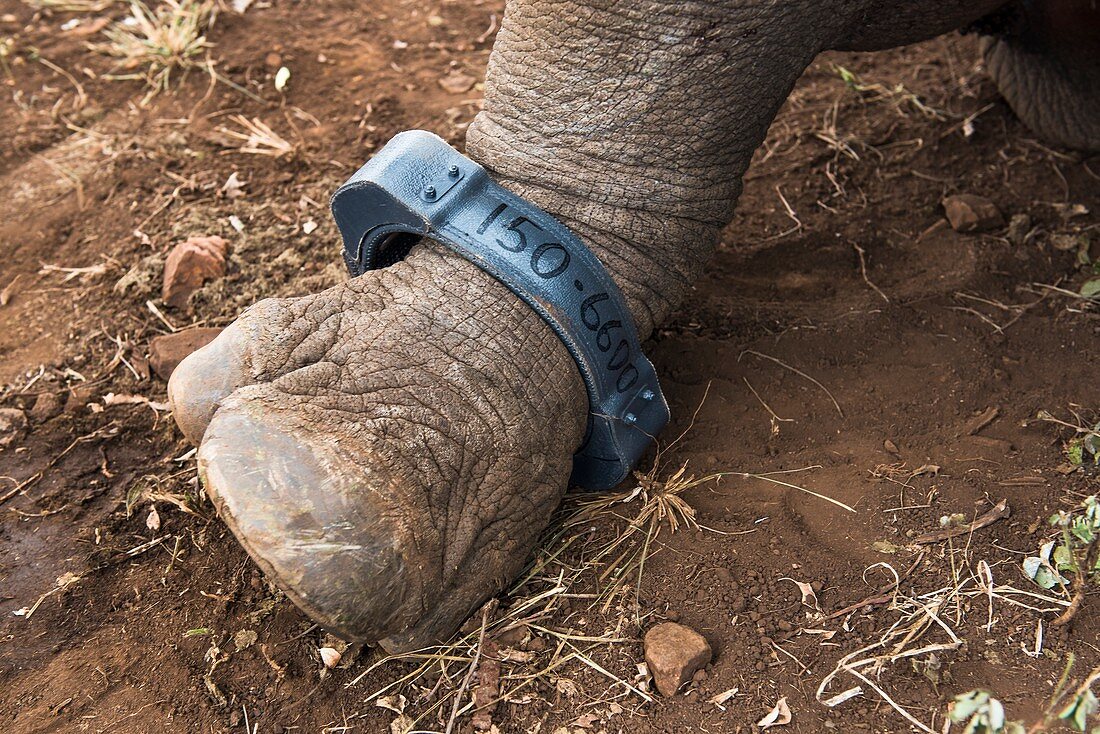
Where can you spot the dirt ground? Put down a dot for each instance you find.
(925, 356)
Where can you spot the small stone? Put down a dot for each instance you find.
(513, 637)
(273, 60)
(700, 676)
(46, 406)
(724, 575)
(673, 653)
(1018, 227)
(970, 213)
(672, 615)
(190, 264)
(330, 656)
(79, 398)
(536, 644)
(785, 626)
(457, 82)
(1064, 242)
(13, 422)
(167, 351)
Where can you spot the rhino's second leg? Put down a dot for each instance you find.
(1045, 58)
(390, 449)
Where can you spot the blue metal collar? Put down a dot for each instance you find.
(418, 186)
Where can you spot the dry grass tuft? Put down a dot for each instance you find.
(256, 137)
(898, 96)
(162, 41)
(573, 563)
(926, 626)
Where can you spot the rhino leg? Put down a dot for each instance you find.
(389, 450)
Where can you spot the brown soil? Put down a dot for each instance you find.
(938, 328)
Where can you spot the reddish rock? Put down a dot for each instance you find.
(970, 213)
(674, 653)
(166, 352)
(190, 264)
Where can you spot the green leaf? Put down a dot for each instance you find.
(849, 78)
(1031, 565)
(1045, 549)
(996, 715)
(1046, 578)
(1091, 288)
(1080, 709)
(1063, 559)
(1081, 531)
(967, 704)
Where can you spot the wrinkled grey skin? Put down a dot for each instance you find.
(390, 449)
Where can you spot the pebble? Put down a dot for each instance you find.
(190, 264)
(1018, 227)
(46, 406)
(674, 653)
(971, 213)
(13, 422)
(536, 644)
(167, 351)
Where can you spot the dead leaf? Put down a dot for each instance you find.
(153, 520)
(981, 420)
(512, 655)
(999, 511)
(722, 697)
(885, 546)
(402, 724)
(9, 291)
(585, 721)
(233, 186)
(809, 598)
(778, 716)
(244, 639)
(394, 703)
(456, 82)
(931, 470)
(566, 687)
